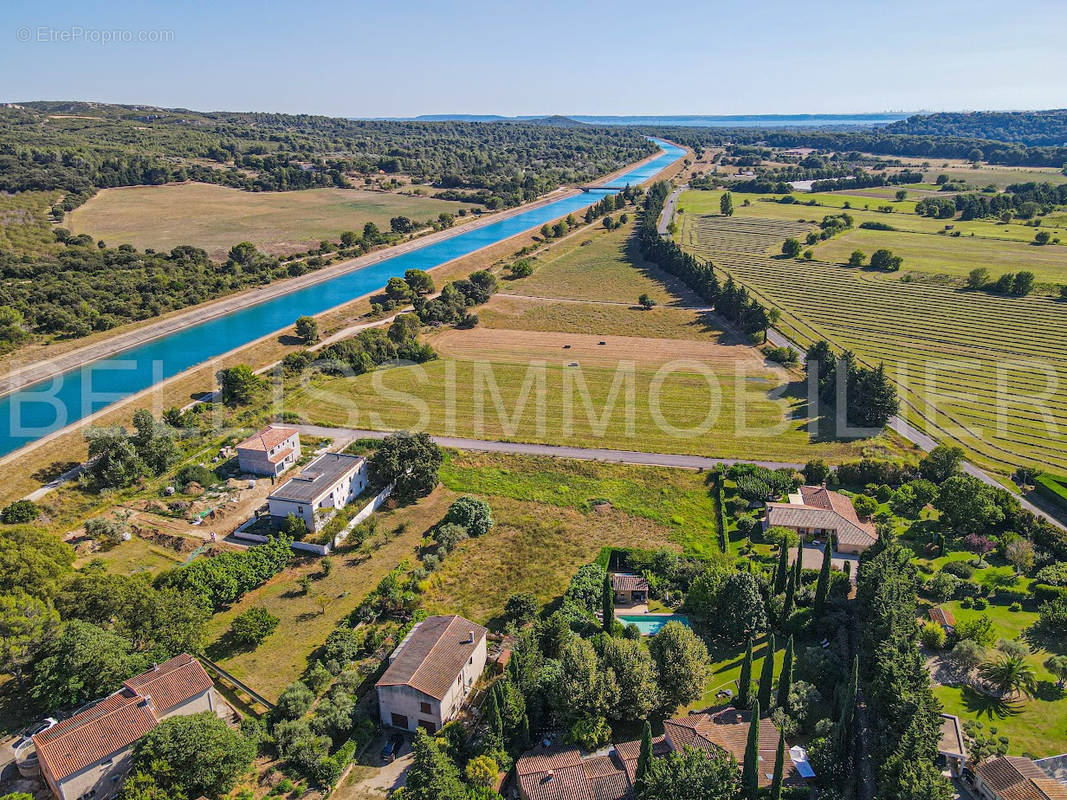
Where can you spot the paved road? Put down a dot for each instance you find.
(668, 210)
(346, 435)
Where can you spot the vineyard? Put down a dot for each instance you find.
(987, 371)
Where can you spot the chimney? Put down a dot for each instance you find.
(737, 718)
(549, 776)
(470, 634)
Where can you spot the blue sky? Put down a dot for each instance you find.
(401, 58)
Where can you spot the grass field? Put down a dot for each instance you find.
(672, 498)
(282, 657)
(528, 392)
(949, 255)
(217, 217)
(599, 266)
(600, 319)
(531, 548)
(133, 556)
(1034, 726)
(959, 356)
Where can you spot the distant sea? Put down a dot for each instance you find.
(700, 120)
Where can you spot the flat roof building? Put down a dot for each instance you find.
(328, 483)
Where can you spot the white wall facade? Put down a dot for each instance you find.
(342, 492)
(258, 462)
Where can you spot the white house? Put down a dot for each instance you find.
(328, 483)
(270, 451)
(87, 756)
(431, 673)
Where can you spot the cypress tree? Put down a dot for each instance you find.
(644, 760)
(781, 574)
(750, 766)
(779, 769)
(432, 775)
(744, 687)
(822, 588)
(798, 567)
(524, 732)
(515, 669)
(790, 592)
(846, 714)
(785, 679)
(766, 676)
(608, 604)
(493, 718)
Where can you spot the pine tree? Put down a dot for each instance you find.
(750, 766)
(785, 679)
(608, 604)
(644, 760)
(822, 588)
(790, 592)
(744, 684)
(779, 769)
(781, 575)
(763, 699)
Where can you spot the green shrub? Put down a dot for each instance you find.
(19, 512)
(961, 569)
(253, 626)
(980, 604)
(1015, 607)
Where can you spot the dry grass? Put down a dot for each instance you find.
(217, 217)
(531, 548)
(532, 314)
(282, 657)
(600, 265)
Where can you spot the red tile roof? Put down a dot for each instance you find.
(720, 729)
(433, 655)
(942, 616)
(822, 508)
(172, 683)
(120, 719)
(625, 582)
(267, 438)
(1017, 778)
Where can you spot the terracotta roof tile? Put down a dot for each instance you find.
(433, 655)
(625, 582)
(120, 719)
(172, 683)
(266, 439)
(720, 730)
(1017, 778)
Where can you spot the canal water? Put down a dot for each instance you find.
(54, 403)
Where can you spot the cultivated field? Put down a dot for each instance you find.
(958, 355)
(217, 217)
(681, 386)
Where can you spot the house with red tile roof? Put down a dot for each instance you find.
(563, 773)
(86, 756)
(1015, 778)
(819, 512)
(431, 673)
(270, 451)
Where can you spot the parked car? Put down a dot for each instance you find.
(392, 747)
(33, 730)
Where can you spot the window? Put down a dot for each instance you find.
(424, 708)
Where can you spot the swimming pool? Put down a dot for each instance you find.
(649, 624)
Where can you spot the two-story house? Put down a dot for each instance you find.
(330, 482)
(431, 673)
(270, 451)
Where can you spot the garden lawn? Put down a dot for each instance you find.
(1036, 726)
(726, 670)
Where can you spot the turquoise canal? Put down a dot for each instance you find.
(54, 403)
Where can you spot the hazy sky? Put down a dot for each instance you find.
(408, 57)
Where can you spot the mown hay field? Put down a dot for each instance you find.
(652, 395)
(985, 370)
(217, 217)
